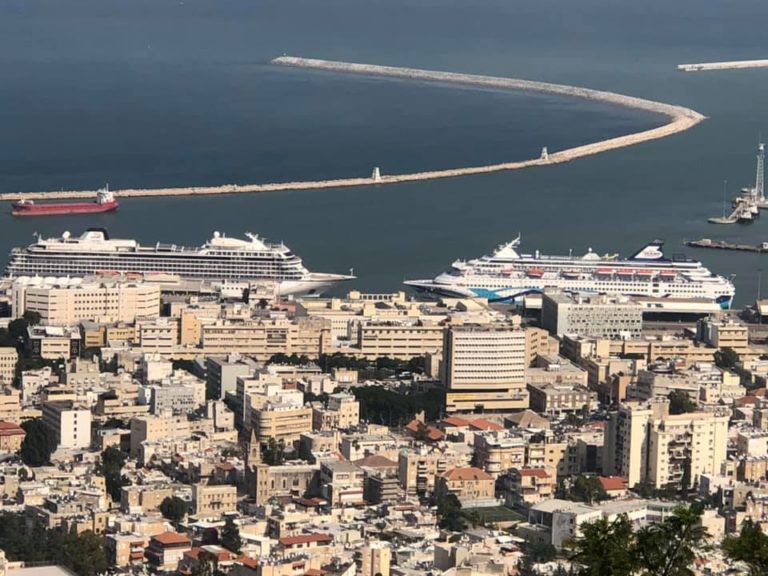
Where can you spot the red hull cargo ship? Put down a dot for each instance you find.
(105, 201)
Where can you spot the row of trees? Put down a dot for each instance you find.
(382, 406)
(84, 553)
(667, 548)
(328, 362)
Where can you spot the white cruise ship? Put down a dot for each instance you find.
(219, 259)
(506, 275)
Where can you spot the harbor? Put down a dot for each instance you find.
(680, 120)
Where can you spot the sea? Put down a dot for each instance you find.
(155, 93)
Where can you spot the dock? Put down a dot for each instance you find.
(724, 245)
(679, 118)
(732, 65)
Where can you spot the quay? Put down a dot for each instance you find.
(732, 65)
(724, 245)
(680, 119)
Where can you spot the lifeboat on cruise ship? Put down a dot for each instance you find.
(668, 275)
(645, 274)
(535, 272)
(571, 274)
(626, 273)
(604, 271)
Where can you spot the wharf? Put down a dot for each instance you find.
(724, 245)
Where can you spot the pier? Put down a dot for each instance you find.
(680, 119)
(732, 65)
(723, 245)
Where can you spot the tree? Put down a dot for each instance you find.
(727, 358)
(750, 546)
(111, 467)
(230, 536)
(680, 402)
(39, 443)
(449, 512)
(670, 547)
(587, 489)
(173, 508)
(32, 318)
(273, 452)
(605, 548)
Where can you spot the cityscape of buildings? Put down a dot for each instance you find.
(192, 428)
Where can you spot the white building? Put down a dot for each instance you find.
(70, 424)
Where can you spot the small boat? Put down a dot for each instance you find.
(535, 272)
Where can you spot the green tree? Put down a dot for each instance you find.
(750, 546)
(230, 536)
(273, 452)
(605, 548)
(669, 548)
(111, 466)
(173, 508)
(83, 553)
(32, 318)
(449, 512)
(727, 358)
(39, 443)
(587, 489)
(680, 402)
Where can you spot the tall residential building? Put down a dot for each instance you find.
(601, 316)
(484, 368)
(281, 421)
(222, 373)
(70, 424)
(644, 443)
(341, 412)
(8, 358)
(724, 332)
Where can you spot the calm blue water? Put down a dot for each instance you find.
(170, 93)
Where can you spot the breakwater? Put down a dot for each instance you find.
(680, 119)
(732, 65)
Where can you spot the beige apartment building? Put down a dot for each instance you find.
(54, 342)
(211, 501)
(142, 499)
(417, 468)
(10, 405)
(401, 339)
(497, 452)
(470, 485)
(152, 428)
(8, 359)
(341, 412)
(70, 424)
(64, 304)
(285, 422)
(484, 368)
(644, 443)
(724, 332)
(264, 338)
(649, 348)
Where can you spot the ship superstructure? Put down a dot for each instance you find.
(220, 259)
(506, 275)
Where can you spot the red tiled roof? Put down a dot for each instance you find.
(537, 472)
(468, 473)
(376, 461)
(414, 425)
(610, 483)
(167, 538)
(456, 421)
(434, 434)
(313, 572)
(194, 553)
(10, 429)
(305, 539)
(248, 561)
(226, 466)
(483, 424)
